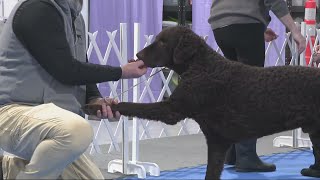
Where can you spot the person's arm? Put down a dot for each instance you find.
(280, 9)
(92, 91)
(40, 28)
(297, 36)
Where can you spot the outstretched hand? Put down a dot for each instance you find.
(133, 69)
(101, 107)
(316, 54)
(270, 35)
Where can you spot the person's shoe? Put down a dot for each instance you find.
(255, 166)
(247, 159)
(311, 171)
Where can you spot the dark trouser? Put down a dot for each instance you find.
(244, 43)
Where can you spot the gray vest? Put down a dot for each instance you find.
(24, 81)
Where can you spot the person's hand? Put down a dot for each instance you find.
(270, 35)
(133, 69)
(105, 111)
(300, 40)
(316, 54)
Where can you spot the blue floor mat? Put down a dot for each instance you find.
(288, 165)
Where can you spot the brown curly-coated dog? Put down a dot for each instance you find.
(229, 100)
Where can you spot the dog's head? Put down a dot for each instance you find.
(172, 46)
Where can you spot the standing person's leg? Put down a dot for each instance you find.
(48, 137)
(242, 42)
(222, 37)
(251, 44)
(251, 52)
(247, 40)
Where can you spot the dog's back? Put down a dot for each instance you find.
(245, 101)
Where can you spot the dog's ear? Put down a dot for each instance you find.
(185, 49)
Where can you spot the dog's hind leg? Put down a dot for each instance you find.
(314, 170)
(216, 154)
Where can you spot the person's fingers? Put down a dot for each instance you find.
(115, 101)
(131, 60)
(118, 115)
(275, 37)
(139, 63)
(108, 101)
(268, 38)
(104, 110)
(271, 33)
(109, 113)
(143, 71)
(99, 115)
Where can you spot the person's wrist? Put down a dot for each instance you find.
(124, 74)
(295, 30)
(122, 71)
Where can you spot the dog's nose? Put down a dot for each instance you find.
(140, 55)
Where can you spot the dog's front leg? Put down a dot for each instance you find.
(216, 156)
(165, 111)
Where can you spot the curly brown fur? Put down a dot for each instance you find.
(229, 100)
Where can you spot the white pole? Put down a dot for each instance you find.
(124, 98)
(302, 55)
(2, 10)
(136, 90)
(8, 6)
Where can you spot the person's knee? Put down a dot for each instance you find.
(79, 134)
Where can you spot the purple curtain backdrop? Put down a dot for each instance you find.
(106, 15)
(200, 25)
(280, 29)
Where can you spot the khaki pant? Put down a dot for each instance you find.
(51, 141)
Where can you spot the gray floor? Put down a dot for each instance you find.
(176, 152)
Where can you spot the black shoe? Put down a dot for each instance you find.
(256, 167)
(311, 171)
(247, 159)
